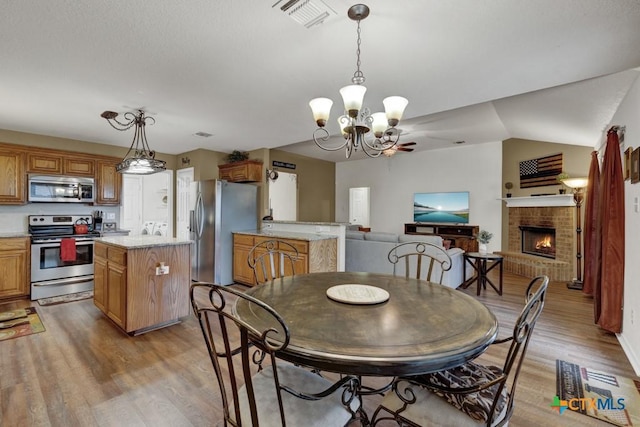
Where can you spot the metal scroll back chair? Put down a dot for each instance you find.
(420, 260)
(255, 387)
(470, 394)
(271, 259)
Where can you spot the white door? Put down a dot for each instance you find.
(184, 179)
(359, 206)
(131, 208)
(283, 197)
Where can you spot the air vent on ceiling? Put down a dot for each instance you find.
(203, 134)
(307, 12)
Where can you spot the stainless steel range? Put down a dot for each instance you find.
(56, 271)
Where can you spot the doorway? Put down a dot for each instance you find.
(283, 196)
(359, 206)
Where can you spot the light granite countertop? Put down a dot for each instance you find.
(288, 235)
(135, 242)
(304, 222)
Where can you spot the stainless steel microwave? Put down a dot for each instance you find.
(61, 189)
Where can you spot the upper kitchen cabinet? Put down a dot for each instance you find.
(108, 183)
(60, 164)
(44, 163)
(78, 167)
(244, 171)
(12, 177)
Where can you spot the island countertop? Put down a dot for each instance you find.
(288, 235)
(275, 221)
(134, 242)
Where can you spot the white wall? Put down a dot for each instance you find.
(473, 168)
(627, 115)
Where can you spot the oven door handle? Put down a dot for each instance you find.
(57, 244)
(65, 281)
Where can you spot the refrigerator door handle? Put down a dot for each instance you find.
(192, 221)
(199, 215)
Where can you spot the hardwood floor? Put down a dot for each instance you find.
(84, 372)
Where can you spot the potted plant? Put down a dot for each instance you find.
(508, 186)
(562, 176)
(237, 156)
(483, 238)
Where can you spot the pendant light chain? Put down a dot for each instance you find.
(358, 76)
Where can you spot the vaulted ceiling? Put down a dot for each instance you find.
(244, 71)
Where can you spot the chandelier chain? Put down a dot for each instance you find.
(358, 76)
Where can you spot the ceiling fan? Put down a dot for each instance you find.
(398, 147)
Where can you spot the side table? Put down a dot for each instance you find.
(483, 264)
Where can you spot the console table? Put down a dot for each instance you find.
(461, 236)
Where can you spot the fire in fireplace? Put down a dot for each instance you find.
(539, 241)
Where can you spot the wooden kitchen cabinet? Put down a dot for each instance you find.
(12, 177)
(44, 163)
(108, 183)
(14, 267)
(314, 255)
(244, 171)
(129, 291)
(78, 167)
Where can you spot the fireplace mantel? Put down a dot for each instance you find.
(537, 201)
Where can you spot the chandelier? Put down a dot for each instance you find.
(139, 160)
(374, 133)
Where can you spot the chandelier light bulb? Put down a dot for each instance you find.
(353, 97)
(379, 124)
(394, 107)
(321, 108)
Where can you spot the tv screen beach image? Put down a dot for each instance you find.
(441, 207)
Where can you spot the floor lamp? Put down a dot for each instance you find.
(577, 185)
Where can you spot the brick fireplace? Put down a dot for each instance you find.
(554, 213)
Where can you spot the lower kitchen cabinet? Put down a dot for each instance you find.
(315, 254)
(14, 267)
(129, 290)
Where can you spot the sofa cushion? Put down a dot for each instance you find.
(353, 234)
(381, 237)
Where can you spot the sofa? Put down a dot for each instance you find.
(368, 251)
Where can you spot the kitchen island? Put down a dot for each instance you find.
(336, 229)
(142, 282)
(316, 252)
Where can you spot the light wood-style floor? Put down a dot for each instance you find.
(84, 372)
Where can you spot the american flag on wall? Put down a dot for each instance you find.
(540, 172)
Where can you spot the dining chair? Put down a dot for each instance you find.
(471, 394)
(256, 388)
(271, 259)
(420, 260)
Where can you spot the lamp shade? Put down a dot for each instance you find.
(353, 96)
(379, 124)
(394, 107)
(575, 182)
(321, 108)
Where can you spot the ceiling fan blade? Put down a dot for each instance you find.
(405, 149)
(406, 144)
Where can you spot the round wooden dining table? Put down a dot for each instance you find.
(422, 327)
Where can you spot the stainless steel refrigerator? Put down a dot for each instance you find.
(218, 209)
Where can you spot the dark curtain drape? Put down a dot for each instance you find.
(592, 231)
(612, 242)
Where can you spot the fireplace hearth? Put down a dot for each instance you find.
(540, 241)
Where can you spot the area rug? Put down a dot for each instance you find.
(19, 323)
(66, 298)
(597, 394)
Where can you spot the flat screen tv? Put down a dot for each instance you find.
(441, 207)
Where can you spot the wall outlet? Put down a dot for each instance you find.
(162, 270)
(266, 226)
(111, 215)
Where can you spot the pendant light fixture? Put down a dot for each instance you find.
(139, 160)
(374, 133)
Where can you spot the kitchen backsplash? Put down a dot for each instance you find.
(13, 219)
